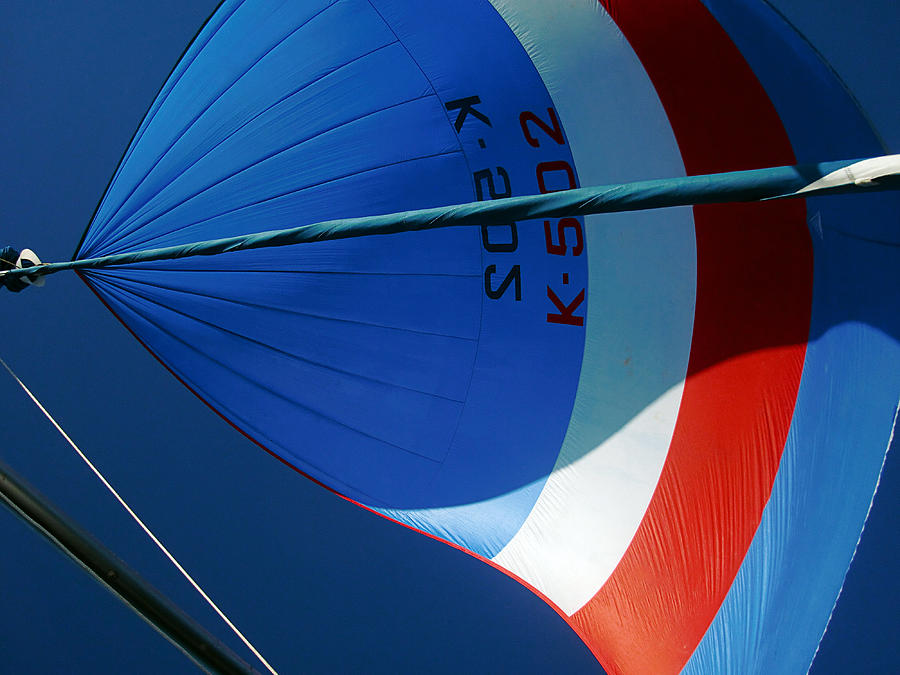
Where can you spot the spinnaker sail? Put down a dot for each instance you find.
(638, 417)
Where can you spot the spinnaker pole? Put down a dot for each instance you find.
(781, 182)
(196, 642)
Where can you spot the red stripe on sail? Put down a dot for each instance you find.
(754, 290)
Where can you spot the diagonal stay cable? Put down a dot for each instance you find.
(140, 522)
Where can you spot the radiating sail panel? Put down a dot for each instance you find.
(639, 416)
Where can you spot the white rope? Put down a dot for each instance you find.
(140, 523)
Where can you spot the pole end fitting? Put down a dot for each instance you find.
(11, 259)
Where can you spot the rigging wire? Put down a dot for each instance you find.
(140, 522)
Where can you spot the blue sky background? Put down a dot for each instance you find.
(318, 584)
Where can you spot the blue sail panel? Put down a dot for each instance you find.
(411, 358)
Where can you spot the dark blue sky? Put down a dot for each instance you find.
(318, 584)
